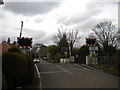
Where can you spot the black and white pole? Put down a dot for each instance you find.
(21, 29)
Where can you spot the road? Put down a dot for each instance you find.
(74, 76)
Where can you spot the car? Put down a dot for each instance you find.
(36, 60)
(45, 58)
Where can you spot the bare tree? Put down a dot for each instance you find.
(106, 34)
(71, 35)
(57, 37)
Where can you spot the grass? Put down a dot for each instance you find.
(106, 68)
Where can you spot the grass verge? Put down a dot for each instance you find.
(34, 83)
(108, 69)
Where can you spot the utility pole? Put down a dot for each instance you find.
(21, 29)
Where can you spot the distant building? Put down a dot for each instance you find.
(43, 51)
(40, 50)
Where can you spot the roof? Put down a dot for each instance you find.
(4, 46)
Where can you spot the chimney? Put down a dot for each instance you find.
(9, 40)
(14, 44)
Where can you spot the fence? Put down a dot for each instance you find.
(107, 60)
(102, 60)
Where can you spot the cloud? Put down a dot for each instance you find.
(39, 19)
(86, 26)
(92, 9)
(13, 33)
(38, 36)
(47, 40)
(30, 8)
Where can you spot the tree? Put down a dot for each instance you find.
(63, 41)
(66, 38)
(52, 50)
(57, 57)
(105, 32)
(73, 37)
(82, 53)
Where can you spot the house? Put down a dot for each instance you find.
(40, 50)
(5, 45)
(43, 51)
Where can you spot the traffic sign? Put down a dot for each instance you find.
(91, 41)
(93, 48)
(24, 42)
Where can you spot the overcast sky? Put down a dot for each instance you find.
(43, 18)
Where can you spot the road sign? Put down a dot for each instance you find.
(93, 48)
(24, 42)
(91, 41)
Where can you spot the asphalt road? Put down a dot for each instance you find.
(74, 76)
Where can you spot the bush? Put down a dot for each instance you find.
(17, 68)
(30, 69)
(57, 57)
(14, 49)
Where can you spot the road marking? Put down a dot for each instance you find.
(93, 69)
(81, 66)
(51, 72)
(64, 69)
(38, 76)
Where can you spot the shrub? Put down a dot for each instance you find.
(30, 69)
(14, 49)
(16, 68)
(57, 57)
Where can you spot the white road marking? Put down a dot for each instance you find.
(51, 72)
(64, 69)
(38, 76)
(81, 66)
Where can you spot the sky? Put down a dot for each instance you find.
(42, 18)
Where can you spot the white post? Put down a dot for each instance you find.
(69, 48)
(87, 60)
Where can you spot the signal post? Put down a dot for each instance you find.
(92, 59)
(24, 42)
